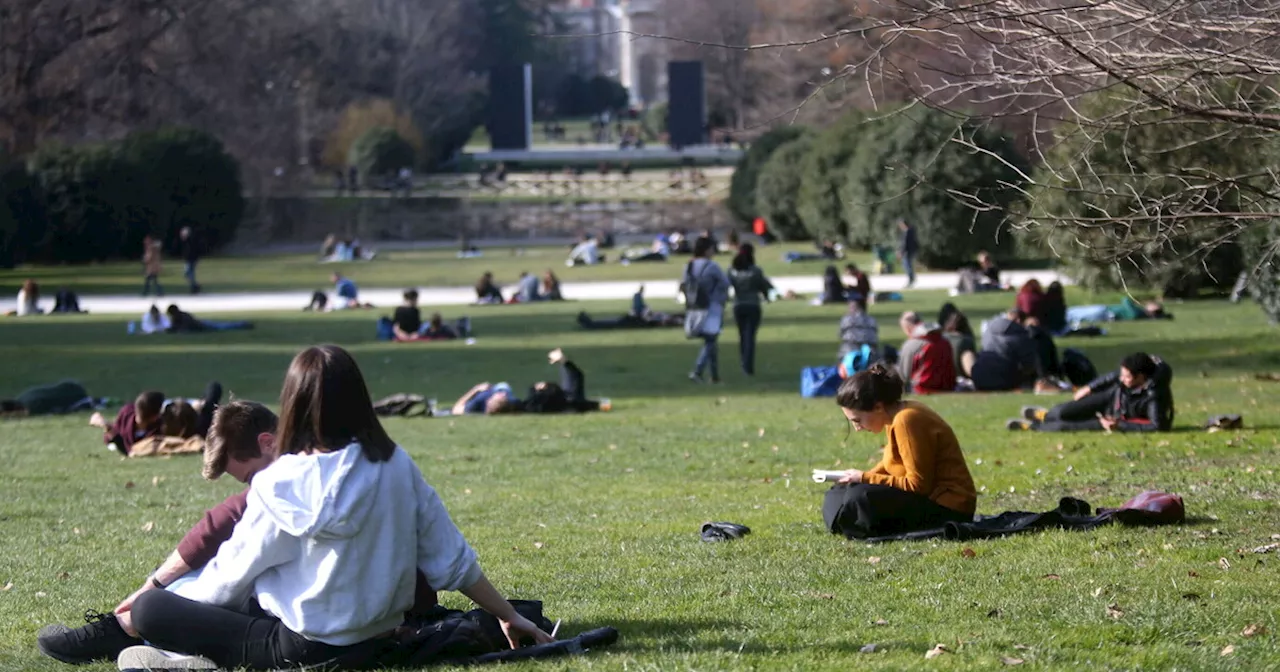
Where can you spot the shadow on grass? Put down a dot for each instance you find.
(681, 635)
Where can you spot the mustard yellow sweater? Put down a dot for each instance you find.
(923, 456)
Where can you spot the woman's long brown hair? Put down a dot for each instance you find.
(325, 405)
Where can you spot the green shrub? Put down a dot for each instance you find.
(742, 189)
(92, 196)
(822, 174)
(21, 216)
(381, 152)
(921, 165)
(193, 181)
(1131, 211)
(1264, 268)
(778, 187)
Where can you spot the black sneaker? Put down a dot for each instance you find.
(101, 639)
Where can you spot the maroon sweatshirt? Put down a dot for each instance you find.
(124, 432)
(200, 544)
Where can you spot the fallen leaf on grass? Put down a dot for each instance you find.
(1224, 563)
(1193, 575)
(1011, 661)
(1261, 549)
(155, 481)
(1051, 577)
(128, 485)
(1021, 647)
(63, 576)
(1227, 650)
(537, 544)
(1191, 596)
(879, 621)
(969, 553)
(823, 596)
(151, 525)
(870, 648)
(1253, 630)
(41, 593)
(761, 432)
(936, 651)
(875, 560)
(994, 613)
(7, 587)
(1114, 611)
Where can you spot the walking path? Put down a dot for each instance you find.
(655, 290)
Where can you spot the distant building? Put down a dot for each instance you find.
(605, 49)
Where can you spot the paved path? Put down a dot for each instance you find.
(456, 296)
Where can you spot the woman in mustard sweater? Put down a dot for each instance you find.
(922, 482)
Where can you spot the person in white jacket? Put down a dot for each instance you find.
(329, 544)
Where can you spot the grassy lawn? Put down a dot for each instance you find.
(599, 515)
(420, 268)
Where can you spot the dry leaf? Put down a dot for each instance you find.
(1097, 591)
(155, 481)
(64, 576)
(936, 651)
(1264, 549)
(1114, 611)
(870, 648)
(761, 432)
(1193, 575)
(1051, 577)
(1254, 630)
(1021, 647)
(7, 587)
(75, 530)
(875, 559)
(881, 621)
(1227, 650)
(128, 485)
(151, 525)
(1224, 563)
(969, 552)
(40, 593)
(467, 491)
(537, 544)
(1011, 661)
(994, 613)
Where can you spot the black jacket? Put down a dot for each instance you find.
(1146, 409)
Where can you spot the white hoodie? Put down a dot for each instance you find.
(330, 544)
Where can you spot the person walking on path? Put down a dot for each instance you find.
(706, 290)
(191, 255)
(908, 246)
(750, 288)
(151, 266)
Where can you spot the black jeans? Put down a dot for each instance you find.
(233, 639)
(748, 317)
(574, 384)
(212, 395)
(861, 510)
(1077, 416)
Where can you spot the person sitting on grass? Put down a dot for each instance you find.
(922, 482)
(833, 289)
(1008, 359)
(330, 544)
(857, 329)
(487, 291)
(859, 284)
(154, 321)
(1137, 398)
(406, 322)
(181, 322)
(241, 442)
(551, 287)
(527, 290)
(345, 293)
(926, 360)
(964, 351)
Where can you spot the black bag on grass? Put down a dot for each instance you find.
(1077, 368)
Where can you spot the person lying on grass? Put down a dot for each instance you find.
(921, 482)
(241, 443)
(1137, 398)
(151, 415)
(543, 397)
(331, 540)
(181, 322)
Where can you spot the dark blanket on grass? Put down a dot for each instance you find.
(1146, 510)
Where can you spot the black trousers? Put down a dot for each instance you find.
(861, 510)
(748, 318)
(233, 639)
(212, 395)
(1077, 416)
(574, 384)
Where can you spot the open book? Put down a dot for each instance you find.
(821, 476)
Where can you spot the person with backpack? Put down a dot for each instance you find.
(1137, 398)
(706, 290)
(922, 482)
(750, 288)
(926, 362)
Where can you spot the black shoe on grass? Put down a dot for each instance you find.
(101, 638)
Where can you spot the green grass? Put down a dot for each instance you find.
(393, 269)
(598, 515)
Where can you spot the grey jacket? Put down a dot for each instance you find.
(1008, 358)
(749, 286)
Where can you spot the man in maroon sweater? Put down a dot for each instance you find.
(241, 442)
(135, 422)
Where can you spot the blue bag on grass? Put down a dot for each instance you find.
(386, 330)
(819, 381)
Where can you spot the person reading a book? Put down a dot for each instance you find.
(922, 482)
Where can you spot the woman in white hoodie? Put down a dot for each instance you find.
(329, 544)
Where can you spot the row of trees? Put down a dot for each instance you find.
(97, 201)
(854, 180)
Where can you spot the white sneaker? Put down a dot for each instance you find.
(151, 658)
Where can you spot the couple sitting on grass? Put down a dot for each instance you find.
(335, 543)
(570, 395)
(407, 325)
(923, 481)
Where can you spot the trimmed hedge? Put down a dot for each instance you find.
(742, 189)
(822, 174)
(778, 187)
